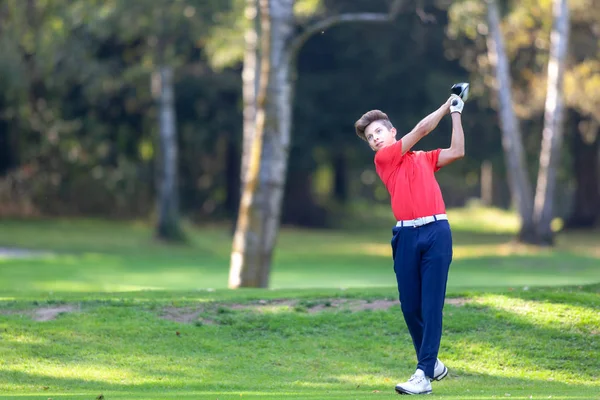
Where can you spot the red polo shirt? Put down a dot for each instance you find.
(410, 180)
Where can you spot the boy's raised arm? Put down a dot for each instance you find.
(457, 143)
(424, 126)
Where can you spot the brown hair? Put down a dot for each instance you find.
(367, 119)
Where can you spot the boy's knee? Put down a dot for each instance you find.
(410, 311)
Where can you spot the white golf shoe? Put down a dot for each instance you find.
(440, 370)
(417, 384)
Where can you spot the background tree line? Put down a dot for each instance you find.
(89, 86)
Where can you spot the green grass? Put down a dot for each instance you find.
(96, 256)
(539, 343)
(521, 322)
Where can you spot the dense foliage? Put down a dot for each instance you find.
(78, 129)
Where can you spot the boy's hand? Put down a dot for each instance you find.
(456, 104)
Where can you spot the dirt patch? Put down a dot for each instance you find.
(313, 306)
(42, 314)
(194, 314)
(353, 305)
(458, 301)
(50, 313)
(185, 315)
(374, 305)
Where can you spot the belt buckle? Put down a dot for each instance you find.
(419, 221)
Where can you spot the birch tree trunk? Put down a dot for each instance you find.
(168, 227)
(248, 258)
(250, 82)
(260, 209)
(518, 179)
(553, 124)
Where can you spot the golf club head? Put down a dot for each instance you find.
(461, 90)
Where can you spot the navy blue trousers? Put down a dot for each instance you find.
(422, 258)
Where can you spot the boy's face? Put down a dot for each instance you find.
(379, 135)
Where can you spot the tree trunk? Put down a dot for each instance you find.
(260, 207)
(168, 205)
(518, 179)
(340, 178)
(250, 82)
(586, 169)
(487, 183)
(553, 124)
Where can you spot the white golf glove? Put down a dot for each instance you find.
(456, 104)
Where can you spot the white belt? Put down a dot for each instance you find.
(422, 220)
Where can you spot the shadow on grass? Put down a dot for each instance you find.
(510, 341)
(292, 351)
(460, 384)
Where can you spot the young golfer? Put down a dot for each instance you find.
(421, 240)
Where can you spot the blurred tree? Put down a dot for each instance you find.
(553, 124)
(284, 43)
(251, 81)
(89, 144)
(159, 27)
(105, 160)
(513, 144)
(527, 26)
(80, 121)
(250, 271)
(168, 227)
(37, 74)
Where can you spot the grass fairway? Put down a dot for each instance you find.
(108, 312)
(310, 345)
(97, 256)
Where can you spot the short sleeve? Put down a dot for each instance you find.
(389, 156)
(432, 158)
